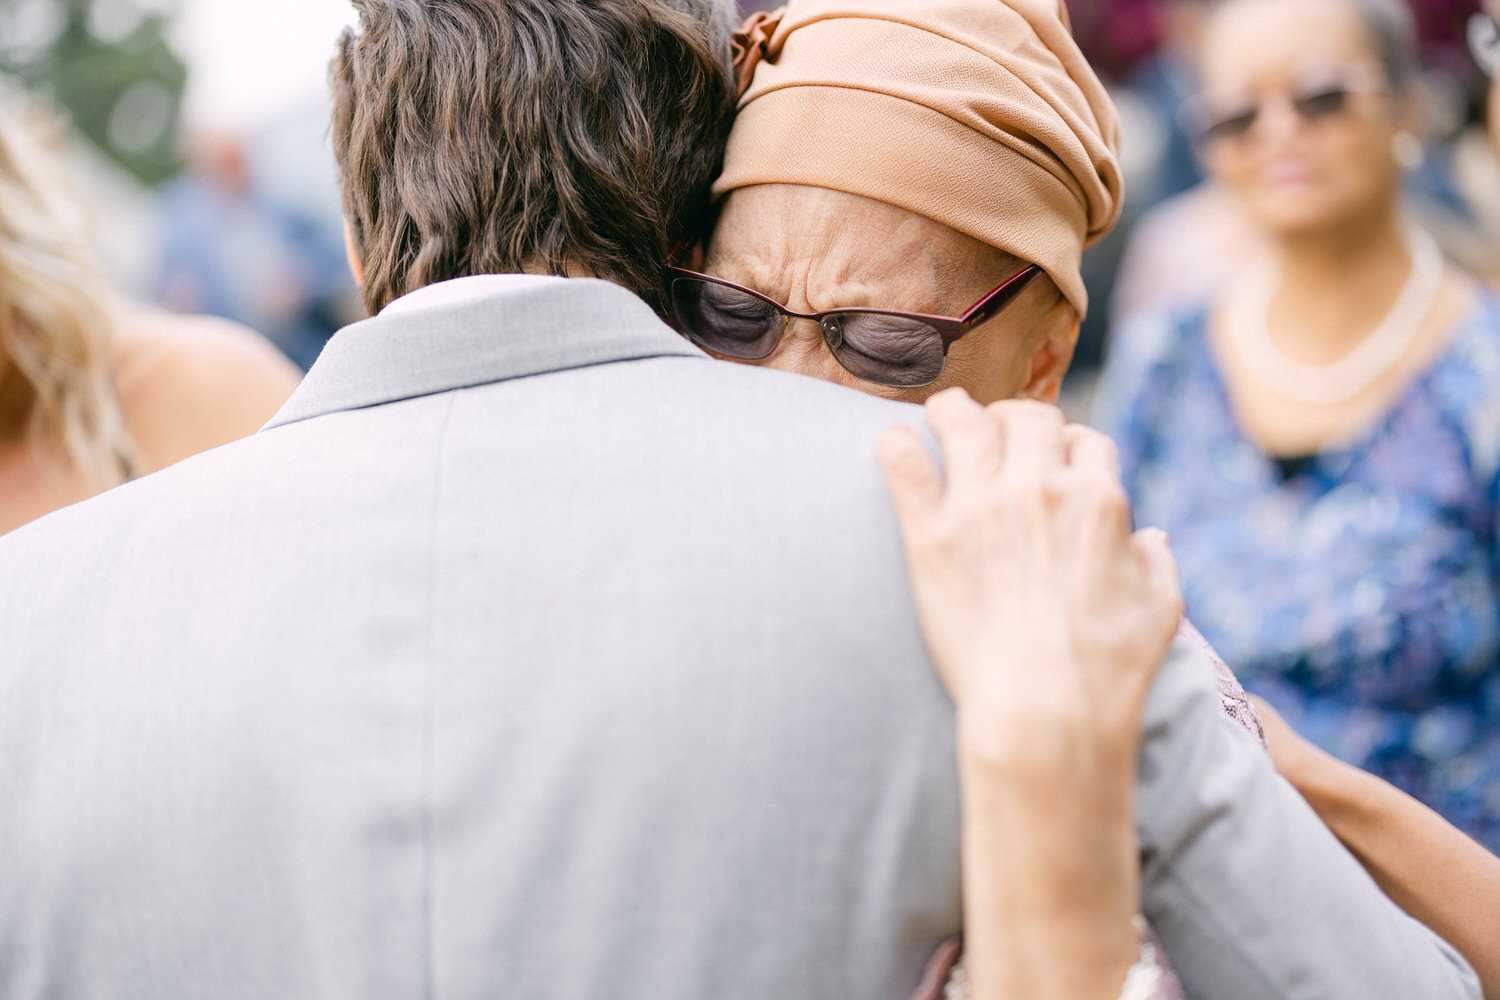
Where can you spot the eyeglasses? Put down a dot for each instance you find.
(906, 350)
(1312, 103)
(1484, 42)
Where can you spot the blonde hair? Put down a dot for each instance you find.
(54, 316)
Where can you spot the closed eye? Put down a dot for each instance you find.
(732, 304)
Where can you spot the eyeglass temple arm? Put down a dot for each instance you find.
(999, 298)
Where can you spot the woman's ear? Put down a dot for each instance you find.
(1052, 356)
(692, 256)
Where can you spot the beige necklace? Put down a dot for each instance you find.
(1341, 380)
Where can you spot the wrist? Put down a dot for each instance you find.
(1040, 746)
(1051, 862)
(1090, 958)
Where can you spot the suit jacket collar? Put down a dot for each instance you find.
(476, 330)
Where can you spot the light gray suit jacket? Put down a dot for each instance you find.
(529, 653)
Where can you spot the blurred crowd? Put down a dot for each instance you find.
(1298, 341)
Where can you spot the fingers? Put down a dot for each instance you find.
(972, 444)
(916, 489)
(1033, 435)
(1153, 551)
(1087, 487)
(1020, 438)
(1087, 450)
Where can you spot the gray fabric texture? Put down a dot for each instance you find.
(529, 653)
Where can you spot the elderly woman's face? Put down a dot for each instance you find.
(813, 250)
(1305, 129)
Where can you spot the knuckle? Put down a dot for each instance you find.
(1029, 411)
(1105, 445)
(1042, 420)
(1099, 490)
(1035, 409)
(949, 527)
(952, 405)
(1017, 492)
(1055, 489)
(1108, 448)
(1111, 496)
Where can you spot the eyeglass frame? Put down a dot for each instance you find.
(1196, 119)
(948, 328)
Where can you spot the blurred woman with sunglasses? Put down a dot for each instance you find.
(1430, 868)
(93, 393)
(1322, 442)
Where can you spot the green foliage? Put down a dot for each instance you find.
(110, 66)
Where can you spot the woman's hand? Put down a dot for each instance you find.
(1048, 619)
(1038, 601)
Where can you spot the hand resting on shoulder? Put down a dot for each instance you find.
(1047, 618)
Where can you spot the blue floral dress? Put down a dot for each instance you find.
(1358, 592)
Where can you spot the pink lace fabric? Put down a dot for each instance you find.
(944, 979)
(1232, 697)
(939, 981)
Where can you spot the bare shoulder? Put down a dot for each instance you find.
(190, 383)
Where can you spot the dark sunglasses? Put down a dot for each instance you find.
(1311, 104)
(906, 350)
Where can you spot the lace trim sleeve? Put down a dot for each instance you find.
(1151, 978)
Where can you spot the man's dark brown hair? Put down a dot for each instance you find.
(549, 136)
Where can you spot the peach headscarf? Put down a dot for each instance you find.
(979, 114)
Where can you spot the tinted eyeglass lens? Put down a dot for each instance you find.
(726, 320)
(1321, 103)
(1232, 126)
(890, 350)
(1312, 105)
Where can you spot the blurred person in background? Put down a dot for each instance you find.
(1435, 872)
(1322, 441)
(1168, 78)
(94, 391)
(1182, 249)
(230, 250)
(1181, 252)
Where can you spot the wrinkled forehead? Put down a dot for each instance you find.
(781, 235)
(794, 224)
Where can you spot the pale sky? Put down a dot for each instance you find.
(250, 59)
